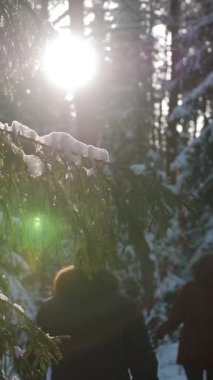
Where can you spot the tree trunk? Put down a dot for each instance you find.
(171, 133)
(44, 10)
(83, 99)
(76, 13)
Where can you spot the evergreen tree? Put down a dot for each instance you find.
(194, 114)
(189, 235)
(193, 79)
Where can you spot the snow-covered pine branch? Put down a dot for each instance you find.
(72, 149)
(65, 183)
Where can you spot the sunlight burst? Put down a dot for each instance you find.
(70, 62)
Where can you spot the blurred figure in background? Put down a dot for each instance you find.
(194, 309)
(108, 338)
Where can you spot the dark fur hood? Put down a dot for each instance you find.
(74, 283)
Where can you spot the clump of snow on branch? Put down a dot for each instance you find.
(35, 165)
(3, 297)
(23, 130)
(72, 149)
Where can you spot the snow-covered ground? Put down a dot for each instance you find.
(168, 369)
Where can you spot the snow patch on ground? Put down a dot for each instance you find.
(168, 369)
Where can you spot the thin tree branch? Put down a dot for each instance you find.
(59, 18)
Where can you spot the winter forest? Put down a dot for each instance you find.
(106, 159)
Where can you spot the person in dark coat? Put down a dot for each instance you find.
(194, 309)
(108, 338)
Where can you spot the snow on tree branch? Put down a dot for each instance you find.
(72, 149)
(185, 109)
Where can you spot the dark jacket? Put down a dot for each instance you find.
(107, 334)
(194, 308)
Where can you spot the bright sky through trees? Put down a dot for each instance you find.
(70, 62)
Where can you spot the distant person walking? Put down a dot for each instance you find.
(108, 338)
(194, 308)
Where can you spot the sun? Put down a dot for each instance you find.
(70, 62)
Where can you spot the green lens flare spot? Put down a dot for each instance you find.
(37, 223)
(40, 232)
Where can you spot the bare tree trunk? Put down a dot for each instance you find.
(171, 133)
(84, 99)
(76, 13)
(146, 267)
(44, 9)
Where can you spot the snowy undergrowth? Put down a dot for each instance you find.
(21, 290)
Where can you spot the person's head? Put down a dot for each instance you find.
(203, 269)
(73, 281)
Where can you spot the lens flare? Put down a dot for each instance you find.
(40, 232)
